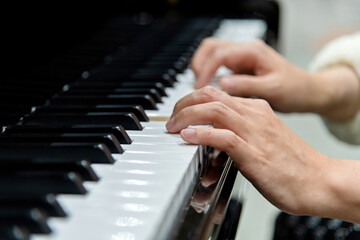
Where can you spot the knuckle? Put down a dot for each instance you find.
(208, 93)
(261, 103)
(208, 133)
(231, 140)
(188, 111)
(219, 54)
(218, 108)
(259, 46)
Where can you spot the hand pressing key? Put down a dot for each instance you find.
(287, 171)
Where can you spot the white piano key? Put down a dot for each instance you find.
(141, 186)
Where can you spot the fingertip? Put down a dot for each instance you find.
(170, 124)
(226, 83)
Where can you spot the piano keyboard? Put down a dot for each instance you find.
(88, 163)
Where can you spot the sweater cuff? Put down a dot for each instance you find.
(344, 50)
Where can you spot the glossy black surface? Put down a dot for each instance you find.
(204, 214)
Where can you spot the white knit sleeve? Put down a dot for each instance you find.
(344, 50)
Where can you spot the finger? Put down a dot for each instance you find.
(245, 85)
(210, 94)
(205, 49)
(215, 113)
(243, 57)
(240, 57)
(204, 95)
(237, 149)
(210, 66)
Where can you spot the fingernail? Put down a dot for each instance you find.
(170, 123)
(188, 133)
(227, 83)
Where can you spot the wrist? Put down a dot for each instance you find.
(333, 190)
(342, 198)
(318, 194)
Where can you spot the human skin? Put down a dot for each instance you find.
(261, 72)
(288, 172)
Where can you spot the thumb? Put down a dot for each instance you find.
(243, 85)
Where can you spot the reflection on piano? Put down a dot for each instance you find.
(84, 153)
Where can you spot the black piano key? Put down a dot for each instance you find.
(116, 91)
(146, 101)
(24, 99)
(165, 64)
(31, 218)
(116, 75)
(128, 120)
(182, 63)
(20, 163)
(168, 79)
(150, 72)
(47, 203)
(95, 153)
(13, 108)
(139, 84)
(135, 109)
(28, 90)
(178, 64)
(112, 85)
(118, 131)
(108, 139)
(13, 232)
(6, 118)
(81, 167)
(44, 182)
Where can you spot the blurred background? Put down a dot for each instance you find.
(305, 27)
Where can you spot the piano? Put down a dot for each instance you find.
(84, 153)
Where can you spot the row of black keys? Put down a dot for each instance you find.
(31, 86)
(50, 150)
(41, 159)
(121, 45)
